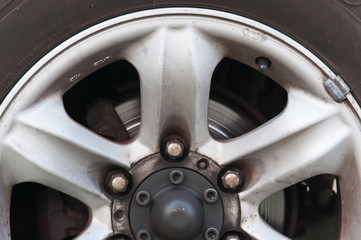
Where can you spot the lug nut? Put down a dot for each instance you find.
(211, 234)
(117, 182)
(232, 237)
(176, 177)
(210, 195)
(143, 235)
(231, 180)
(143, 198)
(174, 148)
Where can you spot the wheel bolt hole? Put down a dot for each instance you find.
(211, 234)
(202, 164)
(176, 177)
(143, 235)
(119, 216)
(210, 195)
(143, 198)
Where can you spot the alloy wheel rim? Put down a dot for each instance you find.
(314, 134)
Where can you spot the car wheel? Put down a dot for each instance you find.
(166, 121)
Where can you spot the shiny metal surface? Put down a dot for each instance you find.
(175, 52)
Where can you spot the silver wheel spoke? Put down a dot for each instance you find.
(283, 165)
(175, 68)
(175, 52)
(290, 157)
(301, 114)
(255, 226)
(46, 147)
(99, 227)
(296, 145)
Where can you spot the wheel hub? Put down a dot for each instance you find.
(174, 217)
(175, 200)
(182, 205)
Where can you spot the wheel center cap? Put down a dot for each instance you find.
(175, 204)
(176, 214)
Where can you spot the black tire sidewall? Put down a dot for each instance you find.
(30, 29)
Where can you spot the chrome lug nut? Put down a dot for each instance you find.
(231, 180)
(174, 148)
(232, 237)
(118, 183)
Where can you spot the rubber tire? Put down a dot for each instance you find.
(29, 29)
